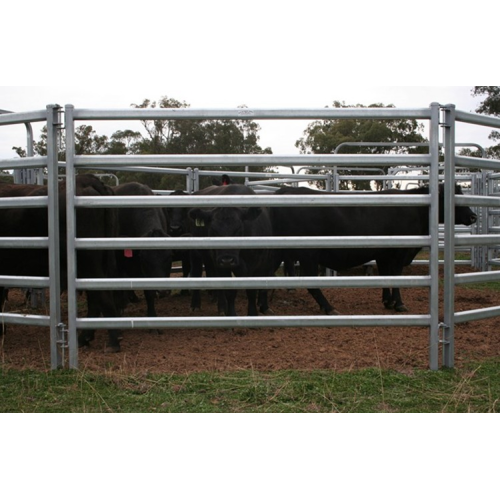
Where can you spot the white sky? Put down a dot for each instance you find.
(221, 53)
(279, 135)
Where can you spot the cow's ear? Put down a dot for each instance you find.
(252, 213)
(200, 216)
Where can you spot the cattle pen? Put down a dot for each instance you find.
(441, 163)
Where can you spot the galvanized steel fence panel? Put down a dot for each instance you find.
(435, 114)
(52, 117)
(110, 162)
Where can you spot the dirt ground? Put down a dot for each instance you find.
(184, 350)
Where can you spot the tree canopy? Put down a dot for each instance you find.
(324, 136)
(490, 106)
(164, 137)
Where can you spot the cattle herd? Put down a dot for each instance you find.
(232, 222)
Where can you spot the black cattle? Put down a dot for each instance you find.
(143, 222)
(234, 223)
(91, 223)
(358, 221)
(178, 225)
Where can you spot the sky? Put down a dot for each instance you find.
(280, 135)
(263, 54)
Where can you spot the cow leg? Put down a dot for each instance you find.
(262, 302)
(102, 303)
(391, 298)
(3, 299)
(222, 302)
(398, 301)
(150, 301)
(196, 272)
(321, 300)
(150, 296)
(230, 296)
(387, 298)
(252, 303)
(309, 269)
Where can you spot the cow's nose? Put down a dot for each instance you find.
(227, 261)
(175, 230)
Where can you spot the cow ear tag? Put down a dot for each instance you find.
(128, 253)
(200, 223)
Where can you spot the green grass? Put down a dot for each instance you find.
(475, 389)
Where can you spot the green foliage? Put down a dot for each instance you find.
(164, 137)
(471, 389)
(323, 137)
(490, 106)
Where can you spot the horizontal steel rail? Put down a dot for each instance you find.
(477, 239)
(252, 201)
(475, 119)
(25, 319)
(95, 161)
(250, 283)
(477, 314)
(252, 114)
(481, 277)
(253, 322)
(32, 162)
(25, 117)
(24, 202)
(253, 242)
(24, 242)
(24, 281)
(482, 163)
(477, 201)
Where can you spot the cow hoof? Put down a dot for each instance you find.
(333, 312)
(84, 340)
(268, 312)
(401, 309)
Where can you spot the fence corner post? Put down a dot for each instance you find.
(449, 113)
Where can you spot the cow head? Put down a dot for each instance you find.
(463, 215)
(177, 221)
(225, 222)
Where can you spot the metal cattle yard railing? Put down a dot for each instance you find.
(438, 118)
(52, 118)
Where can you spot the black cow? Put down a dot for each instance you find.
(358, 221)
(178, 225)
(143, 222)
(91, 223)
(233, 222)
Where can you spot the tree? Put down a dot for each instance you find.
(323, 137)
(164, 137)
(195, 137)
(490, 106)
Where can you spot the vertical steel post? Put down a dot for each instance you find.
(71, 235)
(449, 236)
(434, 234)
(53, 130)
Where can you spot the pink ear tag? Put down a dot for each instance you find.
(128, 253)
